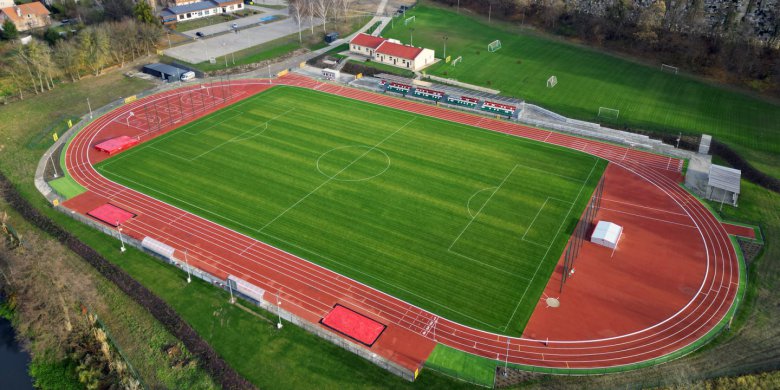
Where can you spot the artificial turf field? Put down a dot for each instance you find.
(647, 97)
(464, 222)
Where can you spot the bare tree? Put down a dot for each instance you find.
(297, 9)
(66, 56)
(322, 7)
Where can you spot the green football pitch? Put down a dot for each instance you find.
(647, 97)
(461, 221)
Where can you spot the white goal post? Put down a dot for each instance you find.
(609, 113)
(494, 46)
(408, 20)
(669, 68)
(552, 81)
(457, 60)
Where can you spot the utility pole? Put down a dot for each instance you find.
(121, 240)
(279, 310)
(189, 277)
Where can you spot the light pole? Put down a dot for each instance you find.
(678, 142)
(121, 240)
(90, 108)
(270, 79)
(189, 277)
(54, 167)
(279, 311)
(411, 36)
(506, 360)
(230, 287)
(445, 47)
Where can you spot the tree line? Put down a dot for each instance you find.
(34, 67)
(302, 10)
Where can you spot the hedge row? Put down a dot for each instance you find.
(748, 171)
(222, 373)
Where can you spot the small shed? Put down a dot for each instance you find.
(331, 37)
(606, 234)
(723, 184)
(330, 74)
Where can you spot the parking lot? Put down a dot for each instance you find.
(220, 39)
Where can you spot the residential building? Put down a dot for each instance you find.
(189, 10)
(26, 16)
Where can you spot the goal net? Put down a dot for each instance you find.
(608, 113)
(457, 60)
(494, 46)
(669, 68)
(408, 20)
(552, 81)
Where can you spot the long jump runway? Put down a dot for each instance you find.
(311, 291)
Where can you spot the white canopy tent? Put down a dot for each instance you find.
(606, 234)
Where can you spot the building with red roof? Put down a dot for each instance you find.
(26, 16)
(391, 52)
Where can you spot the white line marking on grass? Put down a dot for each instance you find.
(238, 137)
(487, 265)
(550, 173)
(548, 248)
(336, 174)
(468, 202)
(534, 220)
(483, 206)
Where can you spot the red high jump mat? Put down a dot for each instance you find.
(353, 325)
(116, 145)
(111, 214)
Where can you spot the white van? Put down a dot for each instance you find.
(187, 76)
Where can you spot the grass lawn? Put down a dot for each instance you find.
(202, 22)
(386, 68)
(647, 97)
(465, 222)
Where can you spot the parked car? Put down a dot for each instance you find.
(234, 26)
(199, 34)
(249, 2)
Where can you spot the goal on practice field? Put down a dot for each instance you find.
(608, 113)
(552, 81)
(669, 68)
(494, 46)
(408, 20)
(457, 60)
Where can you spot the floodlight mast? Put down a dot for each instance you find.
(121, 240)
(189, 275)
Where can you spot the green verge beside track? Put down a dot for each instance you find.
(646, 96)
(464, 222)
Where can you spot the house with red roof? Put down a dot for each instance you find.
(26, 16)
(391, 52)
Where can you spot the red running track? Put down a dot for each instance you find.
(310, 290)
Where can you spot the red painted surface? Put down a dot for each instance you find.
(658, 255)
(310, 291)
(110, 214)
(353, 324)
(737, 230)
(116, 145)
